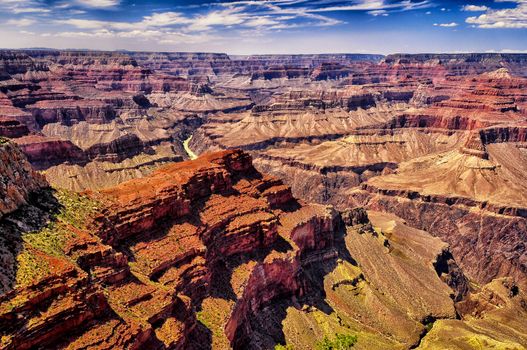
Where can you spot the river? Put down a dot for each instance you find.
(191, 154)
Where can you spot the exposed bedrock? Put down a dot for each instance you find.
(319, 172)
(436, 121)
(486, 245)
(268, 281)
(14, 62)
(275, 308)
(44, 152)
(504, 134)
(18, 179)
(98, 289)
(12, 128)
(201, 253)
(70, 111)
(125, 146)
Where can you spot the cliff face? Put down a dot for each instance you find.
(19, 184)
(18, 180)
(150, 100)
(440, 152)
(213, 252)
(129, 264)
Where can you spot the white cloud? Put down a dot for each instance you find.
(22, 6)
(165, 19)
(506, 51)
(515, 17)
(103, 33)
(261, 21)
(155, 20)
(161, 36)
(246, 17)
(474, 8)
(371, 5)
(84, 23)
(15, 2)
(274, 19)
(224, 18)
(30, 10)
(227, 17)
(285, 14)
(22, 22)
(378, 13)
(98, 3)
(447, 25)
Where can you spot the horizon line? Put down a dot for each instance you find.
(512, 52)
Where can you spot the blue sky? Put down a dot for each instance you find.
(267, 26)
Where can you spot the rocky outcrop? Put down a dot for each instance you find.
(486, 245)
(212, 246)
(19, 184)
(486, 316)
(276, 278)
(18, 180)
(12, 128)
(178, 230)
(71, 111)
(44, 151)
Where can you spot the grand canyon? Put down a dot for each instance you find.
(164, 200)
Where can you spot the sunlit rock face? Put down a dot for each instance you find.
(359, 195)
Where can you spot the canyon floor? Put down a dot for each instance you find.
(201, 201)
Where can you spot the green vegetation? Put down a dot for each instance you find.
(76, 208)
(214, 315)
(49, 242)
(341, 342)
(203, 319)
(31, 267)
(283, 347)
(429, 326)
(75, 211)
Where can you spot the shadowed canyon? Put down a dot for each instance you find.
(207, 201)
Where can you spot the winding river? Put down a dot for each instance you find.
(191, 154)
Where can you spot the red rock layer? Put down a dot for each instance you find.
(131, 276)
(12, 128)
(43, 151)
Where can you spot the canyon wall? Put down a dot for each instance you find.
(18, 180)
(408, 227)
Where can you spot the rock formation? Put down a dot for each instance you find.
(408, 229)
(18, 179)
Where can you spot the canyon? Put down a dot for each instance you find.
(207, 201)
